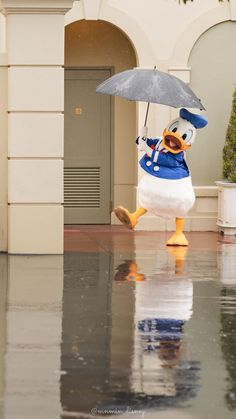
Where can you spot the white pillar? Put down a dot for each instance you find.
(35, 47)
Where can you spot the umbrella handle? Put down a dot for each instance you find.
(146, 116)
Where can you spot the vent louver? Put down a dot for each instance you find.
(82, 187)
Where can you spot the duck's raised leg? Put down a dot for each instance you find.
(129, 219)
(178, 238)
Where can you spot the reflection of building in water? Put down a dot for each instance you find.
(85, 349)
(228, 342)
(227, 266)
(226, 263)
(3, 297)
(108, 362)
(34, 310)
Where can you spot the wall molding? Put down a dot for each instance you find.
(35, 6)
(92, 9)
(182, 73)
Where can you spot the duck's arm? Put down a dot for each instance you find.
(143, 146)
(148, 144)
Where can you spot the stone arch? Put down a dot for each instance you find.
(145, 55)
(188, 38)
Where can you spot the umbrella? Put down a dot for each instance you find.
(152, 86)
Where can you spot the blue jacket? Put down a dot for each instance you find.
(163, 163)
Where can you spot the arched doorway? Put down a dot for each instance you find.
(213, 78)
(100, 152)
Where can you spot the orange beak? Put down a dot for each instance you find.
(173, 142)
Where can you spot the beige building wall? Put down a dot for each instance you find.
(3, 153)
(35, 58)
(35, 50)
(213, 76)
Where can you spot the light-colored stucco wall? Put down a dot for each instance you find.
(35, 105)
(163, 33)
(213, 72)
(3, 153)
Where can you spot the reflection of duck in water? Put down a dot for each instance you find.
(179, 253)
(127, 271)
(166, 188)
(161, 361)
(165, 337)
(161, 358)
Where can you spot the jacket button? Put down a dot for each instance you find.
(148, 163)
(156, 168)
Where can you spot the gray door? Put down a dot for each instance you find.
(87, 173)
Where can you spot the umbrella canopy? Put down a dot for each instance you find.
(151, 85)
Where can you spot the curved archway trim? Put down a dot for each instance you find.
(145, 55)
(193, 32)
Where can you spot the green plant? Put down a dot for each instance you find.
(229, 150)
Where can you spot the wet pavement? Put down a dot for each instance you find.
(120, 326)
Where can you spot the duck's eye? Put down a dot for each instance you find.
(174, 126)
(187, 136)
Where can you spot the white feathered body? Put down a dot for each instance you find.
(166, 198)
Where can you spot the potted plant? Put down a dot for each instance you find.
(227, 188)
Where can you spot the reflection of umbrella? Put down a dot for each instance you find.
(151, 85)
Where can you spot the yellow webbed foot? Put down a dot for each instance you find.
(178, 239)
(128, 219)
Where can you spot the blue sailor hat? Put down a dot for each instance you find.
(198, 121)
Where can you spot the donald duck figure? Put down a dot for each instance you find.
(166, 188)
